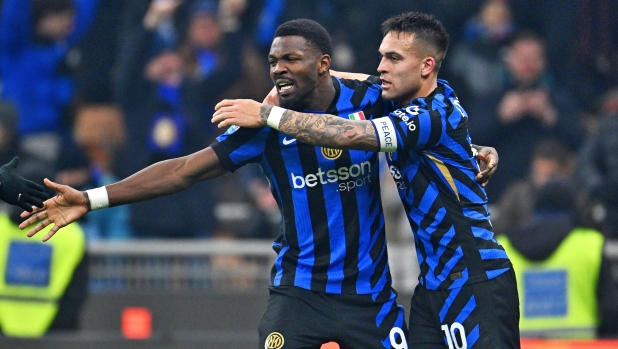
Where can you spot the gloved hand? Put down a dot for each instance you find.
(19, 191)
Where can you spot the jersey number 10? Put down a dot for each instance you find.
(455, 330)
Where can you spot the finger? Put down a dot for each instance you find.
(34, 217)
(35, 202)
(226, 118)
(42, 224)
(492, 163)
(55, 186)
(37, 228)
(25, 206)
(28, 213)
(224, 103)
(482, 174)
(226, 123)
(38, 194)
(492, 171)
(223, 112)
(217, 116)
(14, 162)
(51, 233)
(34, 186)
(34, 211)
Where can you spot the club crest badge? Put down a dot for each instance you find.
(274, 340)
(331, 154)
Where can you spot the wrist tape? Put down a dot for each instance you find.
(274, 117)
(98, 198)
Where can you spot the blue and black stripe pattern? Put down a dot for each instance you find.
(333, 236)
(434, 168)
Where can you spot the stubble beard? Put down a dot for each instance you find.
(293, 103)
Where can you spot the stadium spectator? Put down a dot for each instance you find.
(597, 167)
(528, 107)
(467, 291)
(36, 42)
(588, 66)
(566, 286)
(169, 76)
(476, 65)
(550, 160)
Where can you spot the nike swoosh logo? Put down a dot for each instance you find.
(288, 141)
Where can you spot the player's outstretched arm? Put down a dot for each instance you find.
(316, 129)
(163, 178)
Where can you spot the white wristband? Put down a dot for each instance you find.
(274, 117)
(98, 198)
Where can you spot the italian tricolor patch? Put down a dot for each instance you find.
(357, 116)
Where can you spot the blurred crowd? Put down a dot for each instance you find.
(92, 91)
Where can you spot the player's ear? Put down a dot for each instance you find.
(428, 66)
(323, 64)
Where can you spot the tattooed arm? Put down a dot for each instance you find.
(325, 130)
(316, 129)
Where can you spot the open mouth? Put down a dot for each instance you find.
(284, 86)
(385, 83)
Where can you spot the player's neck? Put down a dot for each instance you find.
(322, 96)
(427, 87)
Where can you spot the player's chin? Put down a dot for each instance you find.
(291, 102)
(389, 94)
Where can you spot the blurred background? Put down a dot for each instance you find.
(92, 91)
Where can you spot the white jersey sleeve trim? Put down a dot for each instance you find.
(386, 133)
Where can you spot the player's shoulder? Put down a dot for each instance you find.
(372, 82)
(243, 133)
(442, 99)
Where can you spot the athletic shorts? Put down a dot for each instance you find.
(296, 318)
(483, 315)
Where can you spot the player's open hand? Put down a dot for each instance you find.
(239, 112)
(61, 210)
(487, 159)
(272, 97)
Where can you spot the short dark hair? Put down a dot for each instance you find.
(52, 6)
(311, 30)
(553, 149)
(41, 8)
(426, 28)
(527, 35)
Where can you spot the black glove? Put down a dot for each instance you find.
(19, 191)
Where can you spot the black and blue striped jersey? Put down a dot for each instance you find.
(333, 237)
(433, 164)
